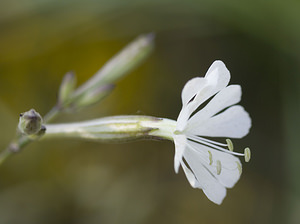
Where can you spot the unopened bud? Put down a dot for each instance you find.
(67, 87)
(30, 122)
(93, 96)
(121, 64)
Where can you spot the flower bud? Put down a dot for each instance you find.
(93, 96)
(122, 63)
(30, 122)
(67, 87)
(101, 84)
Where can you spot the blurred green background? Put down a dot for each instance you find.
(80, 182)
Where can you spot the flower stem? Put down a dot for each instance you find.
(107, 129)
(15, 146)
(52, 114)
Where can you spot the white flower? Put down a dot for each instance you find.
(206, 163)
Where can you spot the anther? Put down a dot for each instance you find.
(229, 144)
(247, 153)
(210, 158)
(219, 167)
(239, 166)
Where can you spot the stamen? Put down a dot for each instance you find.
(219, 167)
(212, 145)
(229, 144)
(204, 155)
(209, 141)
(247, 153)
(210, 158)
(239, 167)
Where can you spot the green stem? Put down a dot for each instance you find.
(4, 155)
(52, 114)
(15, 146)
(108, 129)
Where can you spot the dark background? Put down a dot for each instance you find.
(78, 182)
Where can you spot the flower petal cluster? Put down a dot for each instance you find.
(206, 163)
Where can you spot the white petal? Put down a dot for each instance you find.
(191, 88)
(216, 78)
(180, 144)
(212, 188)
(182, 119)
(225, 98)
(230, 173)
(233, 123)
(219, 72)
(217, 75)
(190, 176)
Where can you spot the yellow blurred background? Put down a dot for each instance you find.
(72, 181)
